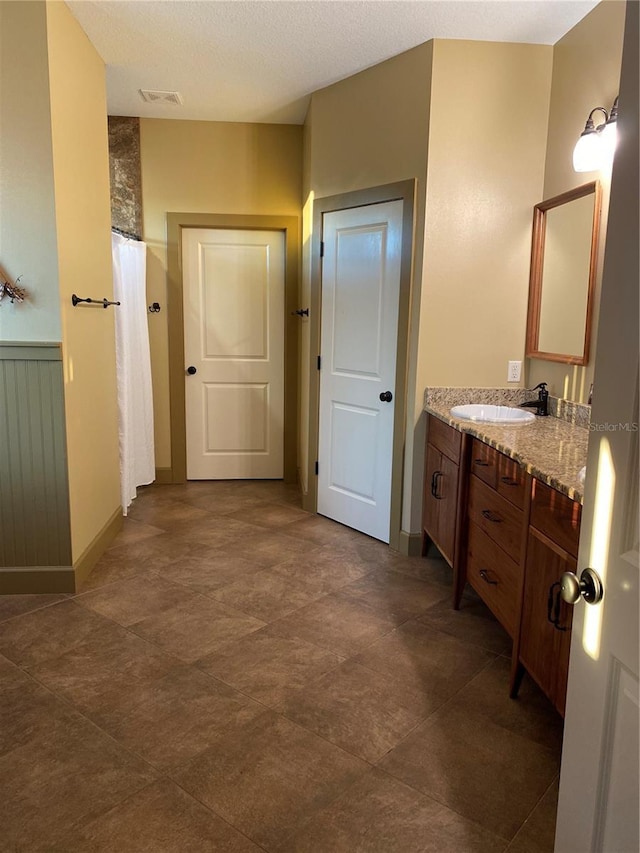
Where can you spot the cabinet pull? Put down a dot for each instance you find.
(436, 475)
(553, 606)
(509, 481)
(481, 463)
(485, 577)
(491, 516)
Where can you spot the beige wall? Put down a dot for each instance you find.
(586, 74)
(489, 105)
(27, 208)
(487, 137)
(83, 222)
(369, 130)
(206, 167)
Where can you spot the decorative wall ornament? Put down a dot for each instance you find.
(12, 291)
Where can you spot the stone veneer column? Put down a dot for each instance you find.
(125, 174)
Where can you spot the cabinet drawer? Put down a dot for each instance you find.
(556, 515)
(498, 518)
(494, 576)
(445, 438)
(512, 480)
(484, 462)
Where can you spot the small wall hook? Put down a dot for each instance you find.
(154, 307)
(301, 312)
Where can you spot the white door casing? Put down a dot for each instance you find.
(359, 328)
(598, 808)
(233, 292)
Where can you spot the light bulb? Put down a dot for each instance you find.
(588, 154)
(609, 138)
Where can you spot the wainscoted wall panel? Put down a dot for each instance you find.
(34, 495)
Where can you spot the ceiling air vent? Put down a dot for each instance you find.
(156, 96)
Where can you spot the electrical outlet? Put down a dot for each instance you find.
(513, 373)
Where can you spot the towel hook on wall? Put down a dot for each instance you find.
(154, 307)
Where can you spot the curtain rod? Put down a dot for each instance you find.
(128, 234)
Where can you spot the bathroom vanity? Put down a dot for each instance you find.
(503, 506)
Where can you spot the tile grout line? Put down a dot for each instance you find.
(539, 801)
(195, 667)
(451, 808)
(68, 597)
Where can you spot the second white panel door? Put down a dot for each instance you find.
(360, 296)
(233, 286)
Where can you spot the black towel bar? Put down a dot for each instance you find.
(104, 302)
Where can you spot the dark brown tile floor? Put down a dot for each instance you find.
(237, 675)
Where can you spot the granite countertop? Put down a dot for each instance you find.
(551, 449)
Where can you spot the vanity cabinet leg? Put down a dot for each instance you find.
(462, 522)
(517, 673)
(459, 582)
(426, 541)
(517, 669)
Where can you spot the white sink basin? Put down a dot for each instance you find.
(493, 414)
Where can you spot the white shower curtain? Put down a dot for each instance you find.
(133, 366)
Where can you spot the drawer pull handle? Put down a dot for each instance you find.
(481, 463)
(509, 481)
(491, 516)
(553, 606)
(436, 482)
(485, 577)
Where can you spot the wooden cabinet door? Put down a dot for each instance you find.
(447, 496)
(431, 507)
(440, 501)
(544, 647)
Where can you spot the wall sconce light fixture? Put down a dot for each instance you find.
(597, 143)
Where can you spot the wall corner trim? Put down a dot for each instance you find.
(96, 548)
(410, 544)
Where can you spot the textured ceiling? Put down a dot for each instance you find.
(259, 61)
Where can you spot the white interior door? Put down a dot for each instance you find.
(360, 293)
(233, 286)
(599, 793)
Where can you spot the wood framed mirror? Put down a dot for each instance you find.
(564, 249)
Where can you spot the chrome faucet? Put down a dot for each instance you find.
(541, 405)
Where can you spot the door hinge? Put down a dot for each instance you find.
(316, 467)
(322, 248)
(319, 362)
